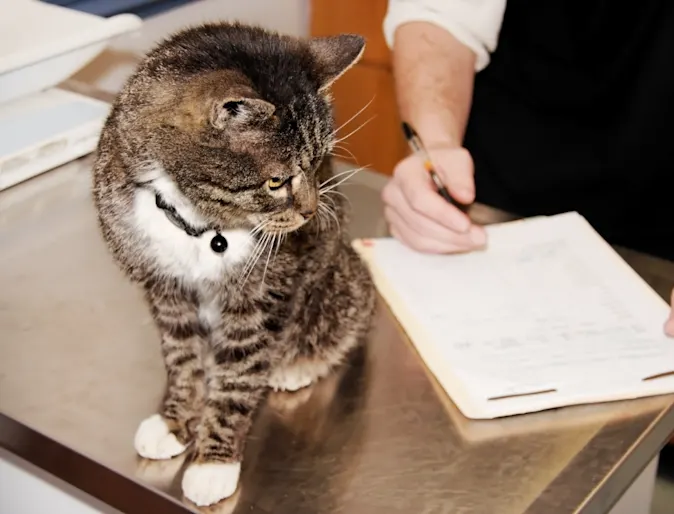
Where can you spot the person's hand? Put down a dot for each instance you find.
(419, 217)
(669, 324)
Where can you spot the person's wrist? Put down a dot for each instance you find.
(437, 134)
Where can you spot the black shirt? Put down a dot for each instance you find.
(576, 112)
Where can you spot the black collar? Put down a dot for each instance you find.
(218, 243)
(175, 218)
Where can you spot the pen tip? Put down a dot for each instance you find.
(409, 133)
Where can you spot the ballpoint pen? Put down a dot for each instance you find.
(417, 147)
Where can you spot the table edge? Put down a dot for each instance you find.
(642, 451)
(617, 481)
(103, 483)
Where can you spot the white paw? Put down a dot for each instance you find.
(290, 379)
(206, 484)
(297, 376)
(154, 440)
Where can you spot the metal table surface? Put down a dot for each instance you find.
(80, 367)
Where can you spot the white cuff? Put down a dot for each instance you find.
(475, 23)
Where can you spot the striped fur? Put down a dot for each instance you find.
(209, 117)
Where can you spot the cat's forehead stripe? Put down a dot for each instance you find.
(308, 131)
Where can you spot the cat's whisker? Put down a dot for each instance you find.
(334, 177)
(338, 193)
(333, 204)
(340, 146)
(330, 215)
(255, 258)
(243, 274)
(259, 242)
(333, 214)
(263, 244)
(324, 220)
(257, 245)
(329, 199)
(322, 209)
(278, 245)
(283, 239)
(353, 117)
(354, 131)
(266, 264)
(319, 225)
(257, 253)
(259, 227)
(340, 156)
(345, 149)
(319, 216)
(330, 187)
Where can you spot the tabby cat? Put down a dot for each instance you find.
(214, 191)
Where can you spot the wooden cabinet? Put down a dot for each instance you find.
(363, 17)
(379, 144)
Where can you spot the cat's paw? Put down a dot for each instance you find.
(292, 378)
(208, 483)
(154, 440)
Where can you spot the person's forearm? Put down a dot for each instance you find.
(434, 75)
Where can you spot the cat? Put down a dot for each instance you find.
(213, 187)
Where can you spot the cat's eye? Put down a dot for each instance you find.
(275, 183)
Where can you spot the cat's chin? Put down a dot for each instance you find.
(279, 225)
(283, 228)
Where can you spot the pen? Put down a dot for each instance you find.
(415, 143)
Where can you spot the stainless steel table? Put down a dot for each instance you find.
(80, 367)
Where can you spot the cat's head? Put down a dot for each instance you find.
(239, 118)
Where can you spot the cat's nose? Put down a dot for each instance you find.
(308, 213)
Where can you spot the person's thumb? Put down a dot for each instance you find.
(455, 167)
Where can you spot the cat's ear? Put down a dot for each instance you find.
(237, 111)
(333, 55)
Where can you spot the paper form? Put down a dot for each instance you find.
(547, 306)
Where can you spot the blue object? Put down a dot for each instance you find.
(107, 8)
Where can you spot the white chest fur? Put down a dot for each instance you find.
(177, 253)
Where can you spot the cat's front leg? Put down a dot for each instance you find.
(175, 312)
(237, 375)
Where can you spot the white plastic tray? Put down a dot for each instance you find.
(42, 44)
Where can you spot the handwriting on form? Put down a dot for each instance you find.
(539, 309)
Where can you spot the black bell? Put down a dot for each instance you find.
(218, 243)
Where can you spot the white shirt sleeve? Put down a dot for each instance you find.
(475, 23)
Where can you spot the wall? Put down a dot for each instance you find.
(111, 68)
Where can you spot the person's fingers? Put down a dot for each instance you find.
(455, 167)
(421, 196)
(424, 226)
(413, 239)
(420, 217)
(669, 324)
